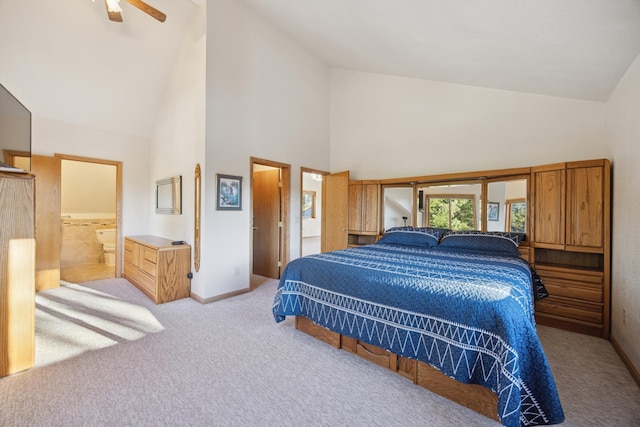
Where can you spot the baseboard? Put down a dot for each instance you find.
(218, 297)
(627, 362)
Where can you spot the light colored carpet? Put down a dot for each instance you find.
(106, 355)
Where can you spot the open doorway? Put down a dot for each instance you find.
(90, 220)
(311, 211)
(270, 187)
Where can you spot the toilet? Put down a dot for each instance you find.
(107, 237)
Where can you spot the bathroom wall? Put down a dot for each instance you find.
(80, 243)
(88, 203)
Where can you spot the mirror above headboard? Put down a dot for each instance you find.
(169, 195)
(507, 205)
(495, 200)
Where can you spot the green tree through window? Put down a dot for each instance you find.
(456, 213)
(517, 211)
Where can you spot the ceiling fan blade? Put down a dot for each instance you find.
(113, 15)
(149, 10)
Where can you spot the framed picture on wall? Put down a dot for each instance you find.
(229, 193)
(493, 211)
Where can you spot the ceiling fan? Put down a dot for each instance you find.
(113, 10)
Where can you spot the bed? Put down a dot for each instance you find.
(459, 302)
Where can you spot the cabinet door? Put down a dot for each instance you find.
(335, 206)
(370, 193)
(363, 208)
(355, 208)
(549, 209)
(585, 207)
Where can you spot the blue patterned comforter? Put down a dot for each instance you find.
(470, 315)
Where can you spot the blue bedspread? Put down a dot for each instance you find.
(470, 315)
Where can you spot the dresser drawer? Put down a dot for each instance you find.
(584, 286)
(577, 275)
(571, 309)
(129, 246)
(130, 270)
(149, 260)
(147, 283)
(129, 256)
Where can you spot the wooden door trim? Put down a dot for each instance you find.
(285, 169)
(118, 165)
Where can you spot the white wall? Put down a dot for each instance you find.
(179, 138)
(397, 203)
(88, 190)
(267, 98)
(52, 136)
(387, 126)
(623, 129)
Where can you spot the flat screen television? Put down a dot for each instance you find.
(15, 134)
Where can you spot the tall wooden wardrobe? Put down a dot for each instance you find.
(17, 273)
(572, 244)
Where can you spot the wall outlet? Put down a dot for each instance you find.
(624, 316)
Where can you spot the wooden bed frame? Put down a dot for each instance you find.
(473, 396)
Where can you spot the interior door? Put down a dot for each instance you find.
(335, 211)
(266, 223)
(48, 229)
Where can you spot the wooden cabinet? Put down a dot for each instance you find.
(549, 205)
(587, 188)
(17, 274)
(571, 244)
(364, 208)
(158, 268)
(571, 201)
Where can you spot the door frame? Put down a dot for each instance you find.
(285, 196)
(304, 170)
(118, 165)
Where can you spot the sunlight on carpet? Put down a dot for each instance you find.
(74, 319)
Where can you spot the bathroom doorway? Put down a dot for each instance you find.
(311, 211)
(90, 219)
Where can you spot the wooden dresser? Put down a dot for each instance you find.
(17, 273)
(158, 268)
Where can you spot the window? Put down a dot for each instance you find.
(516, 215)
(456, 212)
(308, 204)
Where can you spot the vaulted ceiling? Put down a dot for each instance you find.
(567, 48)
(65, 60)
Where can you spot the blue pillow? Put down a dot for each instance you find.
(439, 232)
(493, 241)
(409, 236)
